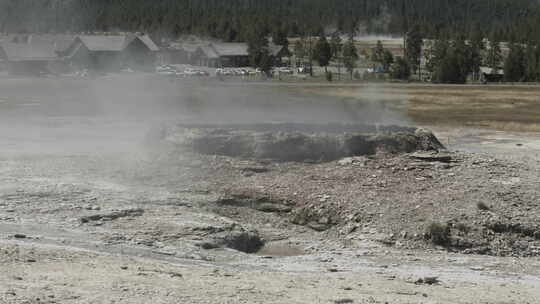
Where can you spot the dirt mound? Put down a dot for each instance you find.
(299, 142)
(403, 200)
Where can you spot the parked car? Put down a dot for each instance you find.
(223, 71)
(242, 72)
(190, 72)
(285, 70)
(166, 70)
(306, 69)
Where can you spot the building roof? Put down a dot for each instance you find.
(488, 70)
(74, 50)
(186, 47)
(189, 48)
(61, 42)
(148, 42)
(209, 52)
(230, 49)
(115, 43)
(218, 49)
(111, 43)
(34, 51)
(275, 49)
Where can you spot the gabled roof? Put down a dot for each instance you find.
(148, 42)
(189, 48)
(61, 42)
(104, 43)
(275, 49)
(230, 49)
(209, 52)
(186, 47)
(115, 43)
(35, 51)
(74, 50)
(219, 49)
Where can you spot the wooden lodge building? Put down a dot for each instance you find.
(216, 54)
(28, 58)
(112, 53)
(222, 55)
(46, 53)
(229, 54)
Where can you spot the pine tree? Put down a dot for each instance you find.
(413, 48)
(322, 52)
(477, 48)
(532, 61)
(494, 54)
(440, 50)
(449, 62)
(462, 52)
(231, 35)
(310, 52)
(388, 60)
(258, 52)
(300, 50)
(514, 65)
(350, 56)
(280, 38)
(448, 69)
(429, 55)
(378, 53)
(336, 45)
(400, 69)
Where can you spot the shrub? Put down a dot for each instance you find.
(329, 76)
(438, 233)
(482, 206)
(400, 69)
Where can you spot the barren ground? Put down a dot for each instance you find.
(92, 213)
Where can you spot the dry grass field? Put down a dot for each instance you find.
(505, 108)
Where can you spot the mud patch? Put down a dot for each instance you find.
(247, 241)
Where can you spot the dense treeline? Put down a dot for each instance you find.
(516, 20)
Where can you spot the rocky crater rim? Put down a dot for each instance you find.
(299, 142)
(303, 127)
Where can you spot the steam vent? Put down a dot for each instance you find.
(299, 142)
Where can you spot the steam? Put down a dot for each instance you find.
(385, 105)
(114, 113)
